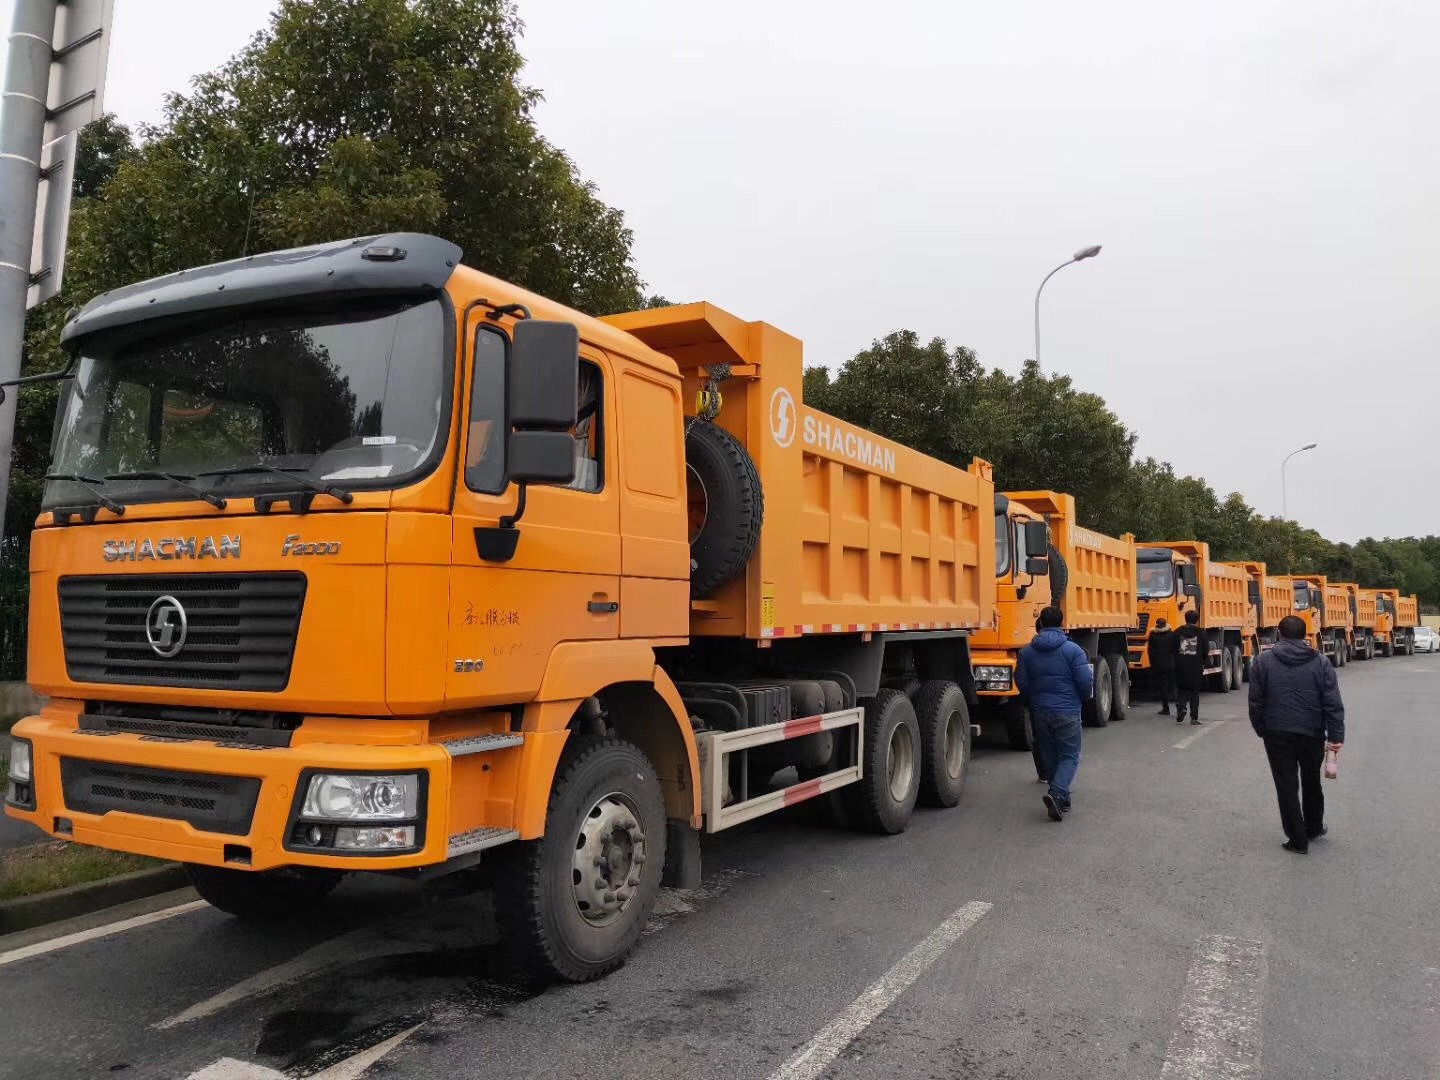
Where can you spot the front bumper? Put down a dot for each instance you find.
(261, 845)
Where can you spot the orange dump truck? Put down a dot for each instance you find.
(1325, 607)
(1270, 599)
(1396, 617)
(354, 558)
(1363, 617)
(1179, 576)
(1043, 556)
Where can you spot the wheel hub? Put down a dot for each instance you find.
(954, 745)
(900, 762)
(609, 855)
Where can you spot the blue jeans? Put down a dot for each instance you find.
(1057, 738)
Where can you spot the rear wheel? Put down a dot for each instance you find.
(1018, 732)
(884, 798)
(1096, 711)
(944, 720)
(262, 895)
(573, 903)
(1119, 687)
(1236, 668)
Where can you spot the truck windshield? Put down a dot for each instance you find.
(350, 395)
(1155, 580)
(1303, 599)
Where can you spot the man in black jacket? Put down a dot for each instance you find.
(1161, 649)
(1190, 650)
(1295, 707)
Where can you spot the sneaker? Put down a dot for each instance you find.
(1196, 721)
(1165, 711)
(1180, 719)
(1319, 833)
(1052, 807)
(1291, 846)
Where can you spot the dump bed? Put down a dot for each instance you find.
(1271, 598)
(1362, 606)
(1100, 594)
(860, 534)
(1337, 607)
(1407, 612)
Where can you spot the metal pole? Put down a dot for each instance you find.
(1284, 495)
(22, 132)
(1038, 291)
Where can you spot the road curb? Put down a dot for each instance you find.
(24, 912)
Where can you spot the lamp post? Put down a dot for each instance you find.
(1083, 253)
(1284, 500)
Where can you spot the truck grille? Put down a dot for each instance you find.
(1144, 622)
(240, 629)
(220, 804)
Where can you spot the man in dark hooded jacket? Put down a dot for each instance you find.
(1295, 707)
(1190, 649)
(1161, 650)
(1055, 674)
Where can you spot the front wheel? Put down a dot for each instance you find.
(884, 797)
(572, 904)
(1119, 687)
(267, 895)
(1096, 711)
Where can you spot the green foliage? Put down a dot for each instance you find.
(1042, 433)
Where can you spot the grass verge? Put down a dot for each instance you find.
(39, 868)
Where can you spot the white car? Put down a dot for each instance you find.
(1426, 640)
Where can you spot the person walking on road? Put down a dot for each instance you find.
(1295, 707)
(1161, 650)
(1189, 654)
(1055, 674)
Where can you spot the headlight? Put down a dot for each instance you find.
(991, 674)
(362, 798)
(22, 765)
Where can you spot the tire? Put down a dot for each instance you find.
(1119, 687)
(726, 504)
(268, 895)
(1059, 576)
(1232, 657)
(1220, 684)
(885, 796)
(558, 922)
(944, 720)
(1387, 648)
(1019, 735)
(1245, 662)
(1096, 711)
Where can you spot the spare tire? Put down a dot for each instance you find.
(726, 506)
(1059, 577)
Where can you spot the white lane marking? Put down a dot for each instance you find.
(352, 1068)
(1205, 729)
(366, 943)
(40, 948)
(1217, 1030)
(811, 1060)
(230, 1069)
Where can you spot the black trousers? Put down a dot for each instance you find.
(1187, 698)
(1166, 678)
(1297, 757)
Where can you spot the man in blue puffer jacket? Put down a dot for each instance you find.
(1295, 707)
(1055, 674)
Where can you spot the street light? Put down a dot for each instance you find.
(1284, 500)
(1083, 253)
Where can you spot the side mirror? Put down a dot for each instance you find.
(1037, 538)
(1036, 566)
(543, 374)
(1191, 589)
(1187, 575)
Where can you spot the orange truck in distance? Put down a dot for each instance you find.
(1325, 607)
(1396, 617)
(1269, 600)
(1179, 576)
(1043, 556)
(354, 558)
(1363, 617)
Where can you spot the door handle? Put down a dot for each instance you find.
(602, 607)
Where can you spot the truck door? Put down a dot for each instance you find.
(563, 581)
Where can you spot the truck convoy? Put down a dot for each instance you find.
(355, 558)
(1089, 576)
(1396, 617)
(1361, 604)
(1269, 600)
(1179, 576)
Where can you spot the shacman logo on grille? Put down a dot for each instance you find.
(166, 626)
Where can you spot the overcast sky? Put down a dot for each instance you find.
(1264, 177)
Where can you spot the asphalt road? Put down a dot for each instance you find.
(1160, 931)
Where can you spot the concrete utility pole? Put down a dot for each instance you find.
(1083, 253)
(22, 135)
(53, 87)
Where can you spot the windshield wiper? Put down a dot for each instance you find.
(178, 479)
(88, 483)
(289, 474)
